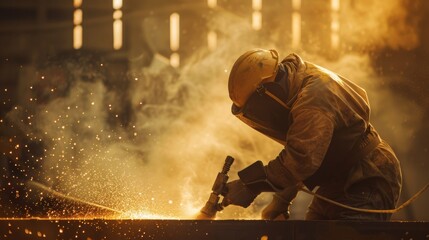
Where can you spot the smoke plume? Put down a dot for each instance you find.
(163, 163)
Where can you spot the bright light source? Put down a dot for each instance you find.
(77, 3)
(256, 20)
(212, 3)
(77, 37)
(117, 34)
(296, 4)
(174, 31)
(175, 60)
(335, 5)
(335, 24)
(335, 40)
(77, 21)
(212, 40)
(117, 4)
(117, 14)
(257, 5)
(77, 17)
(117, 24)
(296, 23)
(296, 30)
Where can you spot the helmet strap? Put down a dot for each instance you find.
(263, 90)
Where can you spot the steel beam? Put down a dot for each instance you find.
(206, 229)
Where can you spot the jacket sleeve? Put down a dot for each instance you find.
(307, 142)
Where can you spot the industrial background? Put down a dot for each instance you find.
(124, 103)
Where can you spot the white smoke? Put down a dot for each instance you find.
(163, 164)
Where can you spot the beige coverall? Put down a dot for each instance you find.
(328, 144)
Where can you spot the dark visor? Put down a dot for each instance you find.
(265, 114)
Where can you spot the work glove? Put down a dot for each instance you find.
(237, 193)
(278, 209)
(253, 180)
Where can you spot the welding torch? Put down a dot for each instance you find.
(212, 205)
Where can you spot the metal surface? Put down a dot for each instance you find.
(206, 229)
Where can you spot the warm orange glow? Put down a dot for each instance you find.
(77, 21)
(175, 60)
(117, 4)
(212, 40)
(296, 30)
(257, 5)
(162, 163)
(117, 14)
(77, 3)
(296, 4)
(143, 215)
(212, 3)
(117, 24)
(77, 37)
(335, 24)
(117, 34)
(77, 17)
(335, 5)
(335, 40)
(174, 31)
(256, 20)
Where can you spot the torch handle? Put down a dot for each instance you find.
(227, 165)
(212, 205)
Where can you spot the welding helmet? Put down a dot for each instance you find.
(259, 93)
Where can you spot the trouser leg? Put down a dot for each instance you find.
(370, 194)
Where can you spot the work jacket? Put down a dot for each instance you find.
(330, 138)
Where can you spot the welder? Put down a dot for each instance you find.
(322, 120)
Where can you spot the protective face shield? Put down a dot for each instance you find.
(257, 88)
(250, 70)
(266, 112)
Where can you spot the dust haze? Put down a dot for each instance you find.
(163, 163)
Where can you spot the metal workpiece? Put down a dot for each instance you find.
(208, 229)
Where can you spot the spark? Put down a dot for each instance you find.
(144, 215)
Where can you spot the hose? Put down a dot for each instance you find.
(408, 202)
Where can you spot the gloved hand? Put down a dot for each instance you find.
(238, 194)
(279, 206)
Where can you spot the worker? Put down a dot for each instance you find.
(322, 120)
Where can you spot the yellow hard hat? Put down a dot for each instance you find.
(249, 71)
